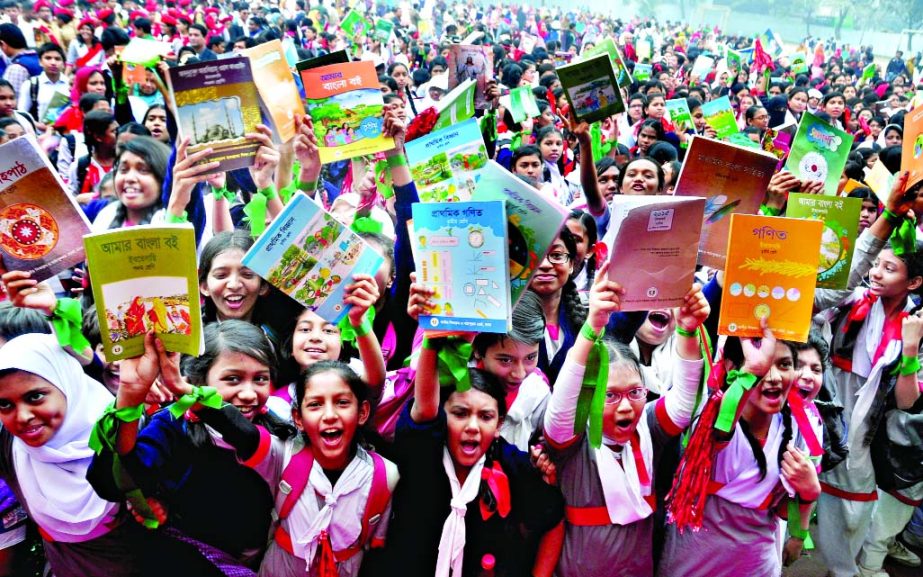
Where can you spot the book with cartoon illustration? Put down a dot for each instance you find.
(732, 179)
(279, 98)
(534, 222)
(819, 152)
(841, 227)
(608, 46)
(591, 88)
(446, 164)
(145, 279)
(679, 114)
(457, 105)
(472, 62)
(461, 252)
(912, 153)
(771, 273)
(347, 107)
(40, 222)
(719, 114)
(217, 106)
(311, 257)
(652, 243)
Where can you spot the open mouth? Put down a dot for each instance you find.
(332, 437)
(469, 448)
(247, 410)
(234, 302)
(659, 319)
(772, 394)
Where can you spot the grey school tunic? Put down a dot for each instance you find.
(603, 550)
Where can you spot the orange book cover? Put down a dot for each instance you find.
(912, 154)
(731, 179)
(276, 86)
(771, 273)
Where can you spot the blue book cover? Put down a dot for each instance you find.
(311, 257)
(461, 253)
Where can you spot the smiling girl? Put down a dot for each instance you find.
(139, 174)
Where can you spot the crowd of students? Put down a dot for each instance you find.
(294, 446)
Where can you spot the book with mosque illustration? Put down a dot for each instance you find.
(472, 62)
(446, 164)
(719, 114)
(145, 279)
(732, 179)
(770, 274)
(534, 222)
(311, 257)
(652, 244)
(279, 98)
(819, 152)
(40, 222)
(591, 88)
(217, 105)
(608, 46)
(841, 227)
(461, 253)
(912, 153)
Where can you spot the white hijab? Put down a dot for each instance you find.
(53, 477)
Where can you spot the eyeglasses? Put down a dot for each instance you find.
(558, 257)
(636, 394)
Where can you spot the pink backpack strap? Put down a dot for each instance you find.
(379, 496)
(295, 479)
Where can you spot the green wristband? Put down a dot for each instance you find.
(891, 217)
(909, 365)
(224, 193)
(129, 414)
(685, 332)
(397, 160)
(364, 328)
(173, 219)
(268, 193)
(587, 332)
(307, 185)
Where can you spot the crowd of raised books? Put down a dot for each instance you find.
(376, 289)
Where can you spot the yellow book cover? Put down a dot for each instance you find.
(912, 153)
(770, 273)
(276, 86)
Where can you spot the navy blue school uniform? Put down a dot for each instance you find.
(421, 505)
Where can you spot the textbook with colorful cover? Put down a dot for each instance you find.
(771, 271)
(311, 257)
(702, 66)
(643, 72)
(841, 227)
(733, 60)
(591, 88)
(608, 46)
(819, 152)
(652, 245)
(59, 102)
(217, 105)
(40, 222)
(383, 29)
(462, 253)
(445, 164)
(534, 222)
(457, 105)
(678, 113)
(799, 63)
(880, 179)
(719, 114)
(521, 103)
(475, 63)
(347, 107)
(355, 24)
(278, 92)
(912, 153)
(145, 279)
(732, 179)
(338, 57)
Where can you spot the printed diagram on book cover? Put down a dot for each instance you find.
(27, 231)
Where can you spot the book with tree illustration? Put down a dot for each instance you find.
(652, 245)
(456, 106)
(719, 114)
(347, 107)
(732, 179)
(446, 164)
(841, 227)
(534, 222)
(144, 279)
(461, 252)
(770, 274)
(217, 106)
(608, 46)
(591, 88)
(40, 222)
(278, 92)
(819, 152)
(473, 62)
(311, 257)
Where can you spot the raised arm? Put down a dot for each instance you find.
(362, 294)
(426, 383)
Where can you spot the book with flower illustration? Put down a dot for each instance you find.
(591, 88)
(446, 164)
(40, 222)
(311, 257)
(652, 245)
(732, 179)
(841, 227)
(912, 153)
(472, 62)
(278, 92)
(217, 106)
(819, 152)
(608, 46)
(462, 254)
(534, 222)
(770, 274)
(144, 279)
(719, 114)
(347, 107)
